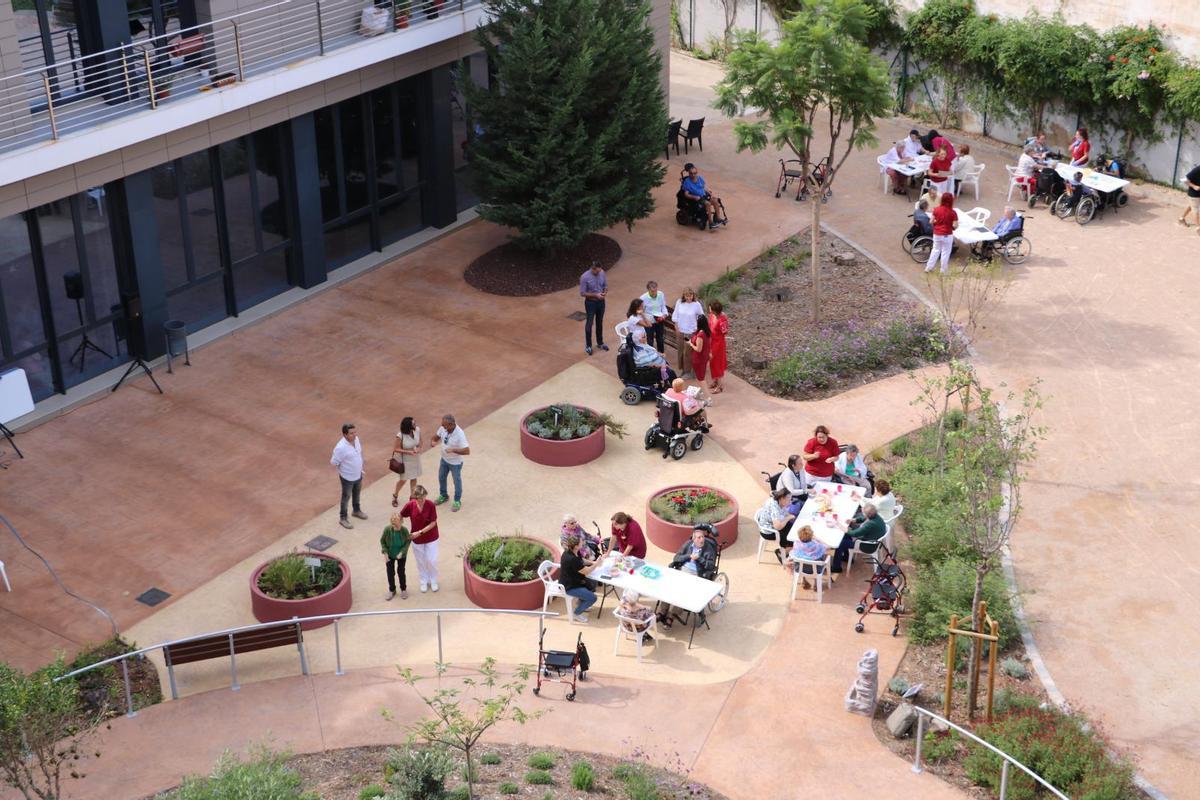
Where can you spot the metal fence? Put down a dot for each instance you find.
(82, 92)
(337, 619)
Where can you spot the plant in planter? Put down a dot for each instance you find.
(288, 586)
(501, 571)
(289, 578)
(564, 421)
(403, 12)
(691, 505)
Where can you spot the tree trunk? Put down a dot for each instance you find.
(976, 649)
(815, 198)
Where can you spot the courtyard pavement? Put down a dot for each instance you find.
(176, 491)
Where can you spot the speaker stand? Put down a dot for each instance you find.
(8, 434)
(137, 362)
(86, 343)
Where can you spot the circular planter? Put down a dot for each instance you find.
(558, 453)
(670, 536)
(526, 595)
(335, 601)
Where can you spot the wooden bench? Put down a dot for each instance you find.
(221, 645)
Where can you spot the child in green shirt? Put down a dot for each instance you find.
(394, 545)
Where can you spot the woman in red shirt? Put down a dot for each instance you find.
(701, 345)
(423, 517)
(939, 170)
(1081, 148)
(945, 220)
(718, 323)
(627, 537)
(819, 454)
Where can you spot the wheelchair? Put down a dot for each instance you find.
(641, 383)
(793, 170)
(918, 242)
(692, 212)
(1013, 246)
(673, 429)
(1047, 187)
(1088, 205)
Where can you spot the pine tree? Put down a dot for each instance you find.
(570, 130)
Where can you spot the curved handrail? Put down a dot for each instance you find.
(924, 712)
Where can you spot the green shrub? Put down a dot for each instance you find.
(264, 774)
(898, 685)
(508, 788)
(542, 761)
(622, 771)
(763, 277)
(490, 759)
(103, 689)
(939, 745)
(371, 792)
(899, 447)
(1057, 747)
(1007, 701)
(467, 774)
(419, 773)
(289, 578)
(1014, 669)
(790, 264)
(583, 777)
(734, 293)
(459, 793)
(539, 777)
(637, 783)
(506, 559)
(946, 589)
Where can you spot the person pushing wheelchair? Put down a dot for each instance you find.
(695, 189)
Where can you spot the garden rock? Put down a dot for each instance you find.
(937, 726)
(780, 294)
(754, 361)
(843, 259)
(900, 721)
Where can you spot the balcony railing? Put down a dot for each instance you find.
(51, 102)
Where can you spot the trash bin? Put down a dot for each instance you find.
(177, 343)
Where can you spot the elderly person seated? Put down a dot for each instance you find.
(643, 354)
(1026, 168)
(573, 575)
(851, 468)
(809, 549)
(775, 515)
(896, 155)
(695, 189)
(697, 556)
(571, 527)
(792, 479)
(633, 610)
(963, 166)
(869, 531)
(883, 500)
(691, 407)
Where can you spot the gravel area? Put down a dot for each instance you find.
(514, 272)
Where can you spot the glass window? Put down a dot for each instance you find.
(387, 134)
(187, 241)
(170, 226)
(268, 178)
(400, 216)
(354, 153)
(239, 214)
(22, 335)
(201, 214)
(327, 166)
(347, 240)
(261, 277)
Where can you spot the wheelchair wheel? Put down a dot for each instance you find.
(1062, 207)
(1122, 199)
(678, 449)
(921, 247)
(1033, 198)
(1016, 250)
(697, 441)
(718, 602)
(651, 435)
(860, 609)
(906, 243)
(570, 697)
(683, 217)
(1085, 212)
(858, 628)
(631, 396)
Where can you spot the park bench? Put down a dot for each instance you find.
(220, 645)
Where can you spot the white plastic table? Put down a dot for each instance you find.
(971, 232)
(843, 504)
(673, 586)
(1099, 181)
(918, 166)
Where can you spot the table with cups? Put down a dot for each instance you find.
(658, 582)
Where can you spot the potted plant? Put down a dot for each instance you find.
(300, 584)
(566, 435)
(672, 512)
(162, 87)
(403, 12)
(501, 571)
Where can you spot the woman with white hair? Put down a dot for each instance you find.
(851, 468)
(633, 610)
(571, 527)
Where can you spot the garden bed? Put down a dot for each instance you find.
(516, 272)
(103, 689)
(870, 327)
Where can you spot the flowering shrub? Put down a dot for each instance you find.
(845, 348)
(691, 506)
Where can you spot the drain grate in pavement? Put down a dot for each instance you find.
(578, 316)
(321, 543)
(152, 597)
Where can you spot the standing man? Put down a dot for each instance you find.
(453, 440)
(593, 286)
(348, 458)
(1192, 179)
(654, 308)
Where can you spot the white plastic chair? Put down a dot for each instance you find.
(621, 329)
(1016, 181)
(764, 528)
(4, 575)
(971, 178)
(979, 214)
(821, 573)
(897, 510)
(552, 588)
(883, 169)
(624, 632)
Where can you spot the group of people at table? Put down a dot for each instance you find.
(823, 461)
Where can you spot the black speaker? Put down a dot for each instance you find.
(73, 283)
(131, 310)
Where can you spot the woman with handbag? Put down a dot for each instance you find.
(405, 461)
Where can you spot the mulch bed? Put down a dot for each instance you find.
(515, 272)
(103, 690)
(763, 327)
(342, 774)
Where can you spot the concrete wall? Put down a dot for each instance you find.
(12, 110)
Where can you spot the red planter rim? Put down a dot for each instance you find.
(733, 511)
(306, 553)
(531, 412)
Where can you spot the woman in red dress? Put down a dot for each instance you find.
(719, 324)
(701, 344)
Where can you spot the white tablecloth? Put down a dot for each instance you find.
(825, 528)
(1091, 179)
(971, 232)
(918, 166)
(674, 586)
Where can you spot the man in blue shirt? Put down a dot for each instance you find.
(695, 189)
(593, 286)
(1008, 223)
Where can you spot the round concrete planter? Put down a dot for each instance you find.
(270, 609)
(526, 595)
(670, 536)
(557, 453)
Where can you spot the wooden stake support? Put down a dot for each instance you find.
(992, 638)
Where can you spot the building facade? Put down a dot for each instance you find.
(189, 159)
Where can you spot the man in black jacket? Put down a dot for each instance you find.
(870, 530)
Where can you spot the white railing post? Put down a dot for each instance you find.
(337, 648)
(1003, 778)
(916, 767)
(50, 106)
(233, 664)
(129, 712)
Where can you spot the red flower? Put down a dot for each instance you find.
(1124, 60)
(1112, 58)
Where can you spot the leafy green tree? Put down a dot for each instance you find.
(936, 34)
(572, 127)
(1131, 86)
(43, 728)
(1043, 61)
(1183, 92)
(819, 72)
(884, 29)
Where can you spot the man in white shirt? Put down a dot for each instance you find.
(912, 145)
(348, 459)
(453, 440)
(654, 309)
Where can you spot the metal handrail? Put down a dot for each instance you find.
(123, 658)
(922, 713)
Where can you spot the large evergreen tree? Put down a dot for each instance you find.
(571, 128)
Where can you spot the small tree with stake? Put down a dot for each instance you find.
(572, 127)
(819, 73)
